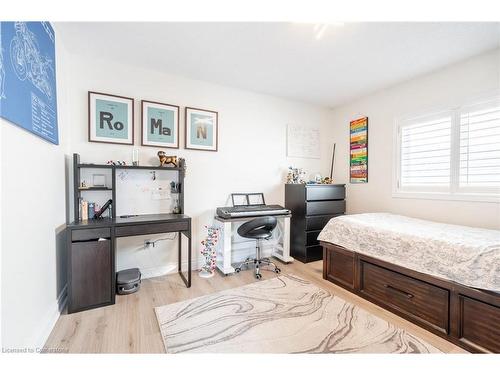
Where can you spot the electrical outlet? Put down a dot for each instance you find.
(147, 244)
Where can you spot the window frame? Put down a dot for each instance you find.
(453, 191)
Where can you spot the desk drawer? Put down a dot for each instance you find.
(326, 192)
(325, 208)
(90, 234)
(137, 230)
(419, 300)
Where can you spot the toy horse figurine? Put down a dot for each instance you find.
(165, 160)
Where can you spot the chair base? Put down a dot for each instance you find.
(257, 263)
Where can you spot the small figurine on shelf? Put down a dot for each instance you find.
(302, 176)
(165, 160)
(295, 176)
(118, 162)
(135, 156)
(209, 252)
(177, 208)
(174, 187)
(327, 180)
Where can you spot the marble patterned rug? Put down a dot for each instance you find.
(285, 314)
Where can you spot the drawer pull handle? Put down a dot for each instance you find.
(406, 294)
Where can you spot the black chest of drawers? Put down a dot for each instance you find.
(312, 207)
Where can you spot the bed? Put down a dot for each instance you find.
(445, 278)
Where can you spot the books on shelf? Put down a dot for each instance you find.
(91, 211)
(85, 210)
(88, 209)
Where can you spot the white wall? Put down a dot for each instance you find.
(251, 155)
(33, 216)
(447, 87)
(35, 191)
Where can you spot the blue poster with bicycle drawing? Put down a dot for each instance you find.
(28, 77)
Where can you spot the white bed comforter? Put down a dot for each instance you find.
(466, 255)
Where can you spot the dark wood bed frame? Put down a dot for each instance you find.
(467, 317)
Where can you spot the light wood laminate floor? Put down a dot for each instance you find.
(130, 326)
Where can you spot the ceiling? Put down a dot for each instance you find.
(286, 59)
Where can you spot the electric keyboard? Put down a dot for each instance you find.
(252, 210)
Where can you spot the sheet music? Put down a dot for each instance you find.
(303, 142)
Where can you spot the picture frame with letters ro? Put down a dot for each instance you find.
(159, 124)
(201, 129)
(111, 118)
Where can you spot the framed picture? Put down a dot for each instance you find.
(160, 124)
(28, 77)
(111, 118)
(201, 129)
(359, 150)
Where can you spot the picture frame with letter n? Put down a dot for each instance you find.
(201, 129)
(159, 124)
(111, 118)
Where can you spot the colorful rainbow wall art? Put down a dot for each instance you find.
(359, 150)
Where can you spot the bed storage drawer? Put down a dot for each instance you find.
(340, 267)
(418, 300)
(480, 324)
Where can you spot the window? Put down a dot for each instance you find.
(425, 153)
(480, 147)
(453, 154)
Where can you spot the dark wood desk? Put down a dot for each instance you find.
(92, 249)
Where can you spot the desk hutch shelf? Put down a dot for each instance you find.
(77, 189)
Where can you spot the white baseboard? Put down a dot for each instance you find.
(50, 319)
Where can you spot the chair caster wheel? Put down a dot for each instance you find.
(237, 270)
(258, 276)
(277, 270)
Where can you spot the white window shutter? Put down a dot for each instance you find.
(480, 147)
(425, 149)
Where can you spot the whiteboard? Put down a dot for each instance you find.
(137, 193)
(302, 142)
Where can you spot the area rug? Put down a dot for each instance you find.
(285, 314)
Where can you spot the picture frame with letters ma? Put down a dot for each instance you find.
(201, 129)
(159, 124)
(111, 118)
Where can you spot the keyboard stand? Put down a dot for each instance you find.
(230, 243)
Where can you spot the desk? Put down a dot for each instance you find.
(232, 248)
(92, 248)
